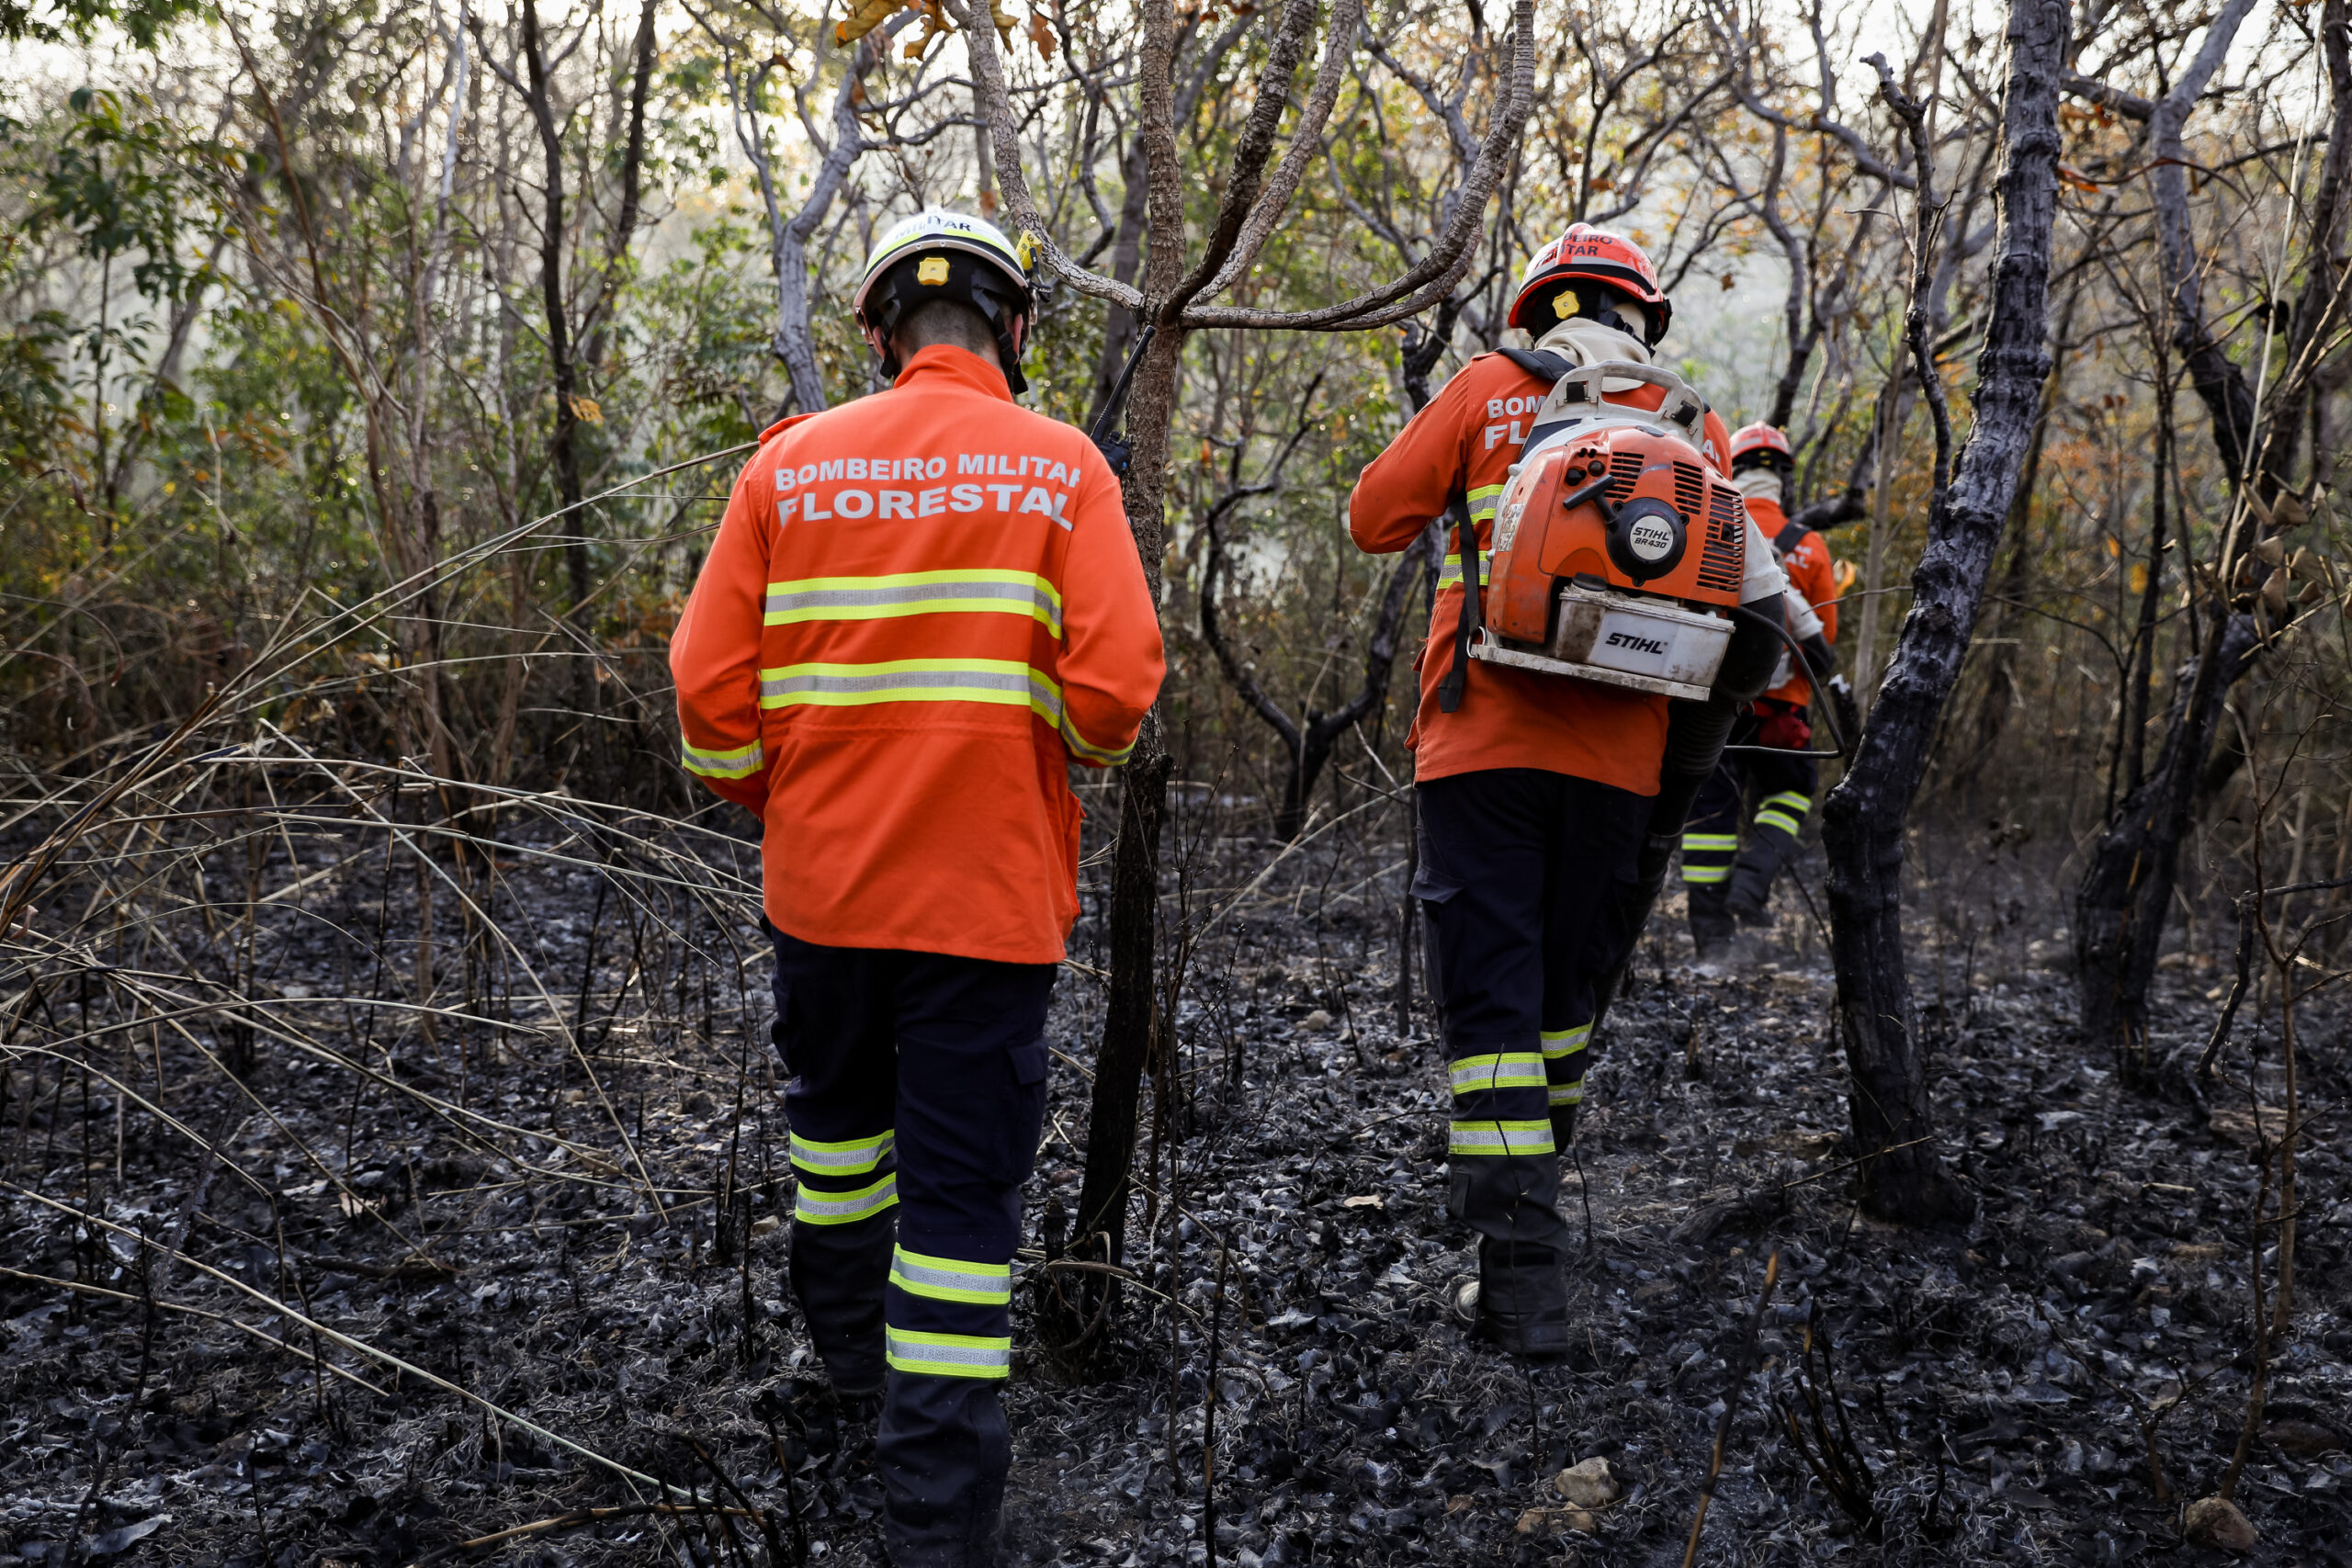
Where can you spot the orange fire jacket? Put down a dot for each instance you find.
(921, 608)
(1463, 443)
(1812, 574)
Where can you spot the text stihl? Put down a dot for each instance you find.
(1638, 644)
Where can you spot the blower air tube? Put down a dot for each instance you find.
(1753, 653)
(1695, 735)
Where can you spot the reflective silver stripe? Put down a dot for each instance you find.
(1704, 874)
(1792, 800)
(993, 680)
(1559, 1043)
(839, 1207)
(1567, 1093)
(949, 1355)
(1704, 843)
(1784, 822)
(1505, 1069)
(1481, 501)
(978, 591)
(1489, 1137)
(853, 1158)
(950, 1279)
(739, 763)
(1449, 574)
(1085, 750)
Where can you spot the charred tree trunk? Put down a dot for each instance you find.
(2122, 903)
(2126, 891)
(1131, 1023)
(1998, 694)
(1421, 352)
(1902, 1176)
(1131, 1015)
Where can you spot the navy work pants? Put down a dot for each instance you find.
(917, 1098)
(1727, 875)
(1518, 867)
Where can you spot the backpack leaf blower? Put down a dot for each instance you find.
(1619, 554)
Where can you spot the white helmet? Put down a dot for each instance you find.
(938, 254)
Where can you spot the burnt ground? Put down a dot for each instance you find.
(1989, 1394)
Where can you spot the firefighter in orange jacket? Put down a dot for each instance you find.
(1533, 796)
(1728, 885)
(921, 608)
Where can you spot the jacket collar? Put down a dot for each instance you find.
(942, 362)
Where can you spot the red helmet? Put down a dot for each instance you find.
(1761, 438)
(1602, 256)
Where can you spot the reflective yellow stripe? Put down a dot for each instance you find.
(854, 1157)
(815, 1208)
(1703, 842)
(1791, 800)
(976, 591)
(1559, 1043)
(1085, 750)
(998, 682)
(1482, 502)
(949, 1355)
(1704, 874)
(1489, 1137)
(1449, 574)
(739, 763)
(1567, 1094)
(952, 1280)
(1784, 822)
(1506, 1069)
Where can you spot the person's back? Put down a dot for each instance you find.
(920, 668)
(1535, 795)
(921, 607)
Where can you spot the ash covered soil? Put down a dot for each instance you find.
(1988, 1395)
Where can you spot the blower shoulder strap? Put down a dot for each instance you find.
(1789, 539)
(1457, 674)
(1550, 367)
(1539, 362)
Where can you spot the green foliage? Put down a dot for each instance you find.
(53, 21)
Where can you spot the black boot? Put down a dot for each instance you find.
(1711, 925)
(838, 1273)
(1522, 1299)
(943, 1450)
(1513, 1203)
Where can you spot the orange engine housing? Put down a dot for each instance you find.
(1671, 527)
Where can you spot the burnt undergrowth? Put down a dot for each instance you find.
(388, 1169)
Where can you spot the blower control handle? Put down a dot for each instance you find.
(1583, 384)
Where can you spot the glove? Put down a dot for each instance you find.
(1849, 713)
(1785, 729)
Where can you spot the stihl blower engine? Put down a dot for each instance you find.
(1619, 554)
